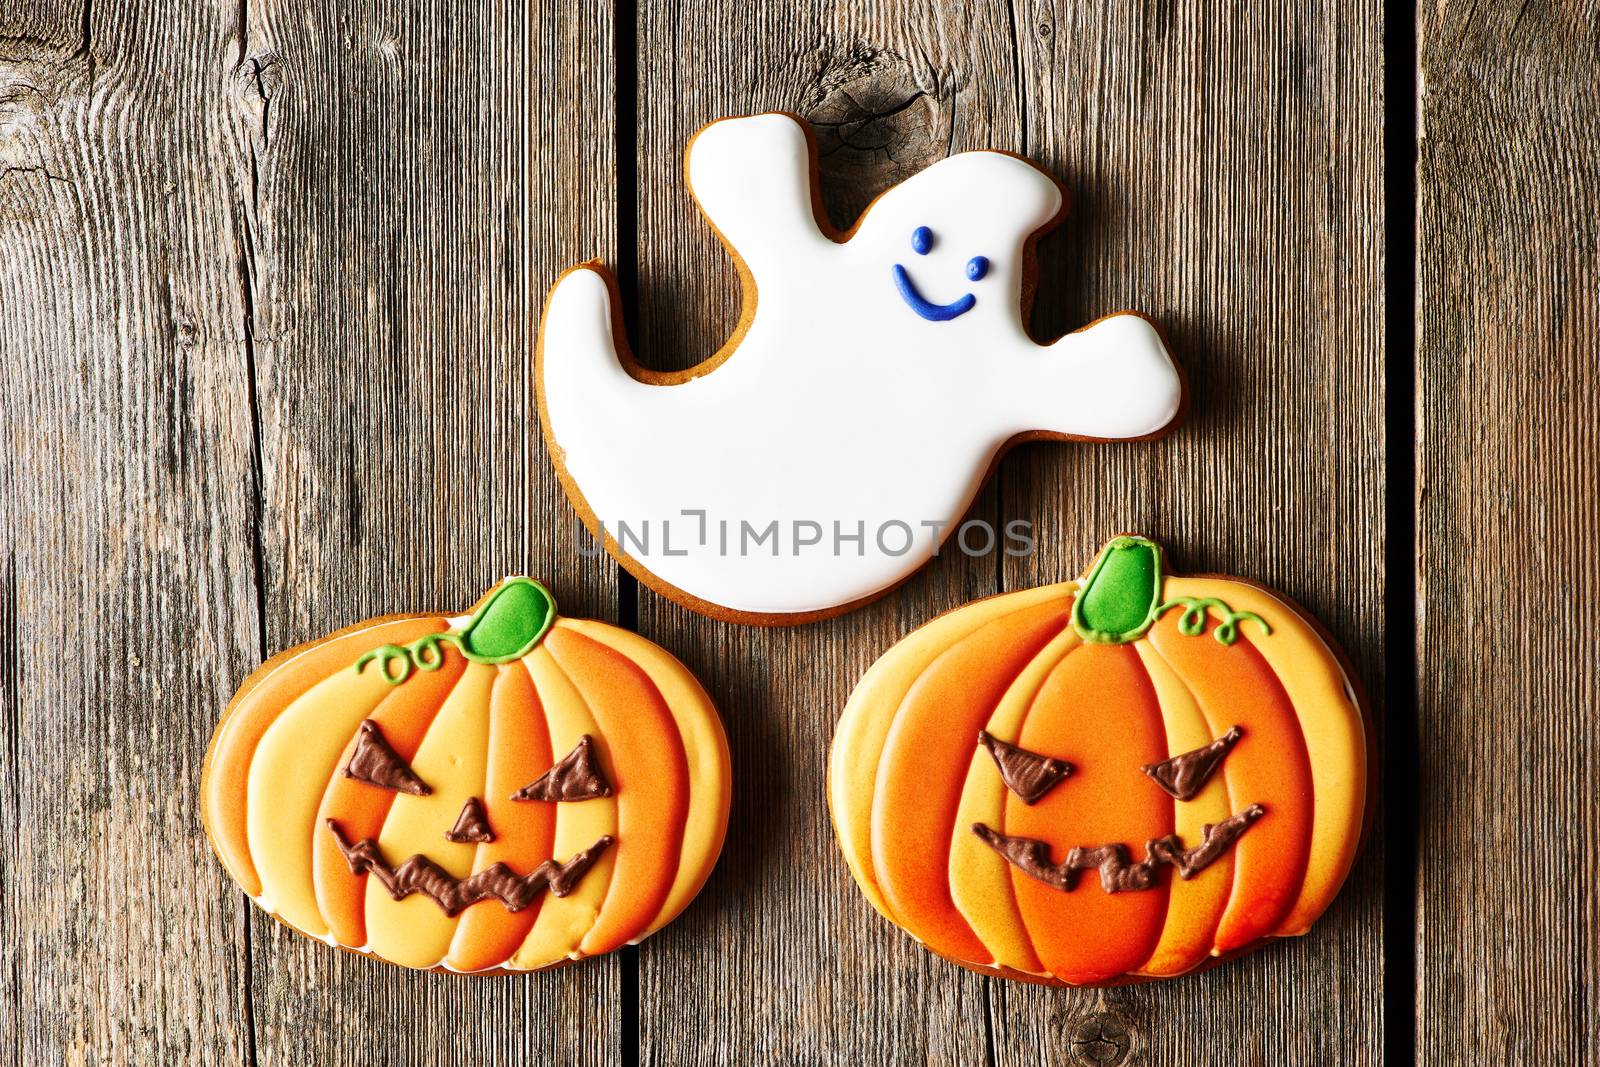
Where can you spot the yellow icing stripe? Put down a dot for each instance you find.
(980, 878)
(864, 724)
(288, 774)
(1334, 730)
(453, 761)
(705, 748)
(563, 921)
(1195, 907)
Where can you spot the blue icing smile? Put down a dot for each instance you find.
(921, 244)
(927, 308)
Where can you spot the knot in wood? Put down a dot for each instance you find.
(1100, 1040)
(877, 122)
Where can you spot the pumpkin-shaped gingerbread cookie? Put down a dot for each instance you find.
(504, 791)
(1115, 778)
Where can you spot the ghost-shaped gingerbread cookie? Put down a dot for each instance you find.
(828, 449)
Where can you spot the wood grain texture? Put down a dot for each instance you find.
(409, 190)
(1226, 171)
(128, 604)
(1225, 166)
(1508, 326)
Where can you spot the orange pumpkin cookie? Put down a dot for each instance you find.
(505, 791)
(1110, 779)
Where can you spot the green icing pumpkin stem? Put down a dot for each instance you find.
(1121, 599)
(513, 619)
(509, 624)
(1118, 600)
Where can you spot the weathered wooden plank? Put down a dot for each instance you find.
(126, 579)
(1507, 398)
(412, 181)
(1225, 165)
(782, 960)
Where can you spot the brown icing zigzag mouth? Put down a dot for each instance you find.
(1118, 872)
(421, 875)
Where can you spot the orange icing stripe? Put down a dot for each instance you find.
(1196, 906)
(519, 751)
(361, 807)
(1233, 684)
(922, 771)
(644, 758)
(1098, 711)
(705, 749)
(272, 687)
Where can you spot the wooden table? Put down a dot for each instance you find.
(269, 283)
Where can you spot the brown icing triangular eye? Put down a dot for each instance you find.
(1185, 775)
(472, 825)
(374, 761)
(1027, 774)
(577, 777)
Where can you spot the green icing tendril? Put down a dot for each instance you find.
(1192, 623)
(509, 624)
(1121, 599)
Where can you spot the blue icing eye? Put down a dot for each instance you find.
(977, 267)
(921, 240)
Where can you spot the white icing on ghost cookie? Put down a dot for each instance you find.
(873, 383)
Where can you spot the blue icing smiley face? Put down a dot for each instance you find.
(922, 244)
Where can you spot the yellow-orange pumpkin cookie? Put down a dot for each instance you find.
(1114, 778)
(504, 791)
